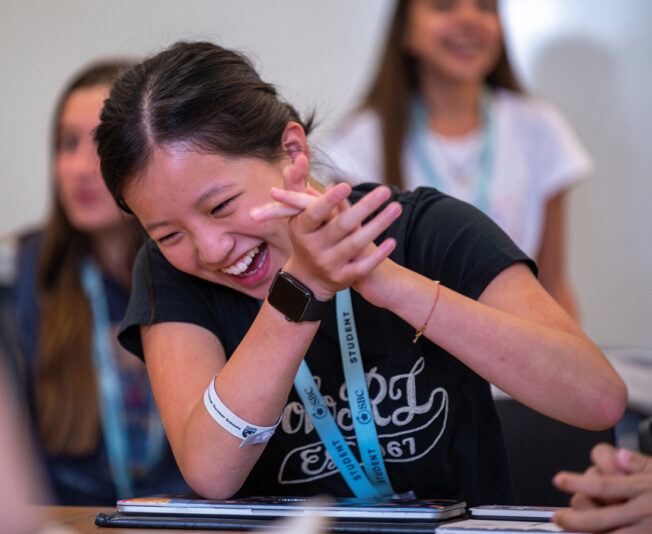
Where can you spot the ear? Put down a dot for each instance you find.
(296, 165)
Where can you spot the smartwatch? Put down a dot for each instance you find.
(294, 300)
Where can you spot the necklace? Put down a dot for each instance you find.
(461, 166)
(459, 157)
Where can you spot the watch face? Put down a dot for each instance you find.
(289, 296)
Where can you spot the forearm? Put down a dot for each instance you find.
(256, 380)
(254, 384)
(330, 248)
(541, 358)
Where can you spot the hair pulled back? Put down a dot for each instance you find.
(196, 93)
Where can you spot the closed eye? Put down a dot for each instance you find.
(167, 238)
(222, 205)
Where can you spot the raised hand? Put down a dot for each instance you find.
(332, 247)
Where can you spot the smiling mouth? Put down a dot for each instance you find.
(249, 264)
(464, 46)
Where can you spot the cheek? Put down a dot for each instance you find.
(423, 36)
(104, 193)
(494, 30)
(111, 210)
(181, 256)
(495, 33)
(63, 185)
(62, 174)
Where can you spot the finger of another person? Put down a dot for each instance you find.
(603, 457)
(633, 462)
(603, 519)
(579, 501)
(603, 487)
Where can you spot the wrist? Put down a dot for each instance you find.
(295, 300)
(383, 285)
(308, 278)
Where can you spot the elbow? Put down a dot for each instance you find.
(210, 487)
(208, 482)
(610, 404)
(210, 491)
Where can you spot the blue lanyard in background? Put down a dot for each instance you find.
(485, 163)
(373, 482)
(112, 409)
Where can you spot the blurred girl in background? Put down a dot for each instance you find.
(445, 110)
(96, 424)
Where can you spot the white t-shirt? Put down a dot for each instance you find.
(535, 155)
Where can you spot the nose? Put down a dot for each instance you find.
(468, 8)
(213, 250)
(87, 162)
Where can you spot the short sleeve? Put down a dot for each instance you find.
(161, 293)
(559, 159)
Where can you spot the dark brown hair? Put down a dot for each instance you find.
(395, 84)
(197, 93)
(65, 387)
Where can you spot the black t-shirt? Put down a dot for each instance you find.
(436, 421)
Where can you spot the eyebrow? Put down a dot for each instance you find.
(210, 192)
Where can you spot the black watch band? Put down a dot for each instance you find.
(294, 300)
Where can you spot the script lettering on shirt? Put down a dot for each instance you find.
(421, 414)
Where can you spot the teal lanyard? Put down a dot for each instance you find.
(373, 481)
(112, 409)
(485, 163)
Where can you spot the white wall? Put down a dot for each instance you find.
(319, 53)
(589, 56)
(592, 58)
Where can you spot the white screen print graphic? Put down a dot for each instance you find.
(426, 423)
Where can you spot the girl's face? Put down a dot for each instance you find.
(196, 206)
(85, 199)
(458, 40)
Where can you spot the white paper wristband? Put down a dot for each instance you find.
(248, 433)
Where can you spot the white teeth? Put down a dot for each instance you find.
(242, 265)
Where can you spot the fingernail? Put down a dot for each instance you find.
(342, 191)
(381, 192)
(624, 456)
